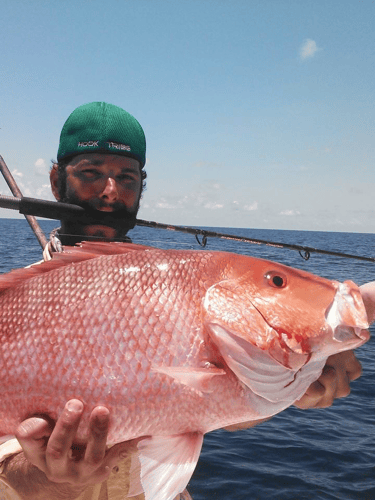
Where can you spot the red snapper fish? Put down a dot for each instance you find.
(176, 343)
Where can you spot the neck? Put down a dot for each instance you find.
(71, 234)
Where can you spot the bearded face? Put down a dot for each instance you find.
(108, 187)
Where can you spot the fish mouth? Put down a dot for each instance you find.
(347, 319)
(357, 336)
(345, 328)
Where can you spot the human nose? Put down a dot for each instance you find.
(110, 192)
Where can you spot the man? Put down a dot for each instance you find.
(104, 175)
(100, 166)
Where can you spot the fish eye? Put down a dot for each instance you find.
(276, 279)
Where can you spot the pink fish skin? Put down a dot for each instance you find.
(176, 343)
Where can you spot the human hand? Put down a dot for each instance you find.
(368, 296)
(334, 382)
(53, 450)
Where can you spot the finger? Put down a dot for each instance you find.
(342, 382)
(368, 296)
(348, 368)
(353, 366)
(311, 397)
(315, 391)
(342, 386)
(35, 428)
(355, 372)
(32, 435)
(58, 450)
(329, 381)
(346, 362)
(321, 393)
(97, 441)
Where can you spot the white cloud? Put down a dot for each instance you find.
(16, 173)
(253, 206)
(163, 203)
(290, 212)
(44, 192)
(40, 167)
(213, 206)
(308, 49)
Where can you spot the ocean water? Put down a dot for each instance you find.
(298, 455)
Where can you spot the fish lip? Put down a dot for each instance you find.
(355, 335)
(344, 318)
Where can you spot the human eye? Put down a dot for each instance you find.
(90, 173)
(125, 177)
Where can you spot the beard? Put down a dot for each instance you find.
(121, 219)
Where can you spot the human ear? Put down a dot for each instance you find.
(54, 179)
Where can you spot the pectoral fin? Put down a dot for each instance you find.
(164, 465)
(196, 378)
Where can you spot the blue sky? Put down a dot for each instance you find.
(257, 114)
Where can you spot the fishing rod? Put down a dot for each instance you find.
(16, 192)
(57, 210)
(206, 234)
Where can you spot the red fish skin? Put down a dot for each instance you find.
(120, 330)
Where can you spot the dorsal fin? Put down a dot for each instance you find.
(84, 251)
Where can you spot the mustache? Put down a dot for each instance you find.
(121, 217)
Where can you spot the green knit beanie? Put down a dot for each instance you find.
(99, 127)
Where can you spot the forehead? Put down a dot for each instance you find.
(105, 160)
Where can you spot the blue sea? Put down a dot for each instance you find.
(298, 455)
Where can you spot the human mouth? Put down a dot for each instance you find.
(106, 209)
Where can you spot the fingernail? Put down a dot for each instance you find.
(74, 406)
(103, 416)
(25, 429)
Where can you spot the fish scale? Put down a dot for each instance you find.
(175, 343)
